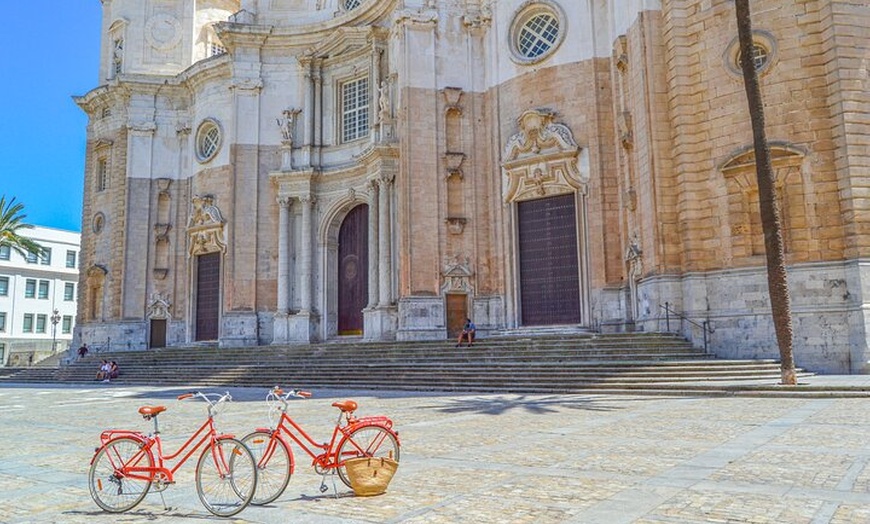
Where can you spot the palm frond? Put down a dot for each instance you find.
(11, 224)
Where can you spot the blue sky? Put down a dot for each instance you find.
(51, 53)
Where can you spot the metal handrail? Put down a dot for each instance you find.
(705, 325)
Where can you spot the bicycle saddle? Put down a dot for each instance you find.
(151, 411)
(346, 406)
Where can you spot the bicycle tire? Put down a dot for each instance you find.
(225, 494)
(376, 441)
(274, 473)
(112, 491)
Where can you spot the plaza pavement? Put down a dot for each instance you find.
(477, 458)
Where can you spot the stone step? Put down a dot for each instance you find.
(528, 362)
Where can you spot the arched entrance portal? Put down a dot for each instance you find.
(353, 270)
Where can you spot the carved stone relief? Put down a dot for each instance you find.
(205, 230)
(159, 306)
(456, 275)
(541, 159)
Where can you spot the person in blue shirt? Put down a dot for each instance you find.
(467, 333)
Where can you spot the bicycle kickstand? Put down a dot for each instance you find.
(324, 488)
(163, 500)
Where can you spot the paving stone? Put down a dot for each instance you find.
(476, 458)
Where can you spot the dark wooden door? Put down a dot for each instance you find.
(158, 333)
(457, 312)
(353, 270)
(549, 276)
(208, 287)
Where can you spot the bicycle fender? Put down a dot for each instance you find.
(111, 434)
(287, 445)
(224, 436)
(114, 434)
(374, 421)
(377, 420)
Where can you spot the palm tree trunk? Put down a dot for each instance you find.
(771, 224)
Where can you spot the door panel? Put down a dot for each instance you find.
(208, 271)
(353, 270)
(457, 312)
(549, 273)
(158, 333)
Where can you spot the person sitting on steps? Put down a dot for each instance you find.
(467, 333)
(103, 373)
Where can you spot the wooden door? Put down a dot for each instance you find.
(457, 312)
(353, 270)
(549, 272)
(158, 333)
(208, 287)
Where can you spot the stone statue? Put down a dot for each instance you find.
(287, 123)
(384, 101)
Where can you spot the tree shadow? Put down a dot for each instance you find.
(535, 405)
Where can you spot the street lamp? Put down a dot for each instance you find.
(55, 318)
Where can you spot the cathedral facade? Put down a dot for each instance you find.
(290, 171)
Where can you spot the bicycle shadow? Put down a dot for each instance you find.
(535, 405)
(142, 515)
(320, 497)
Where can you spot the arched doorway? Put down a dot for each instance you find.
(353, 270)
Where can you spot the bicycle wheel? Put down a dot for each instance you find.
(226, 477)
(111, 488)
(374, 441)
(274, 465)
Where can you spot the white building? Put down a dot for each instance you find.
(38, 297)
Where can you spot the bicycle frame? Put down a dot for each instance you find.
(153, 446)
(328, 457)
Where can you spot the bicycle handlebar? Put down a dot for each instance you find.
(207, 397)
(280, 393)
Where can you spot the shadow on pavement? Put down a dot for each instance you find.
(536, 405)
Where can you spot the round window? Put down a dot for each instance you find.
(536, 32)
(208, 140)
(763, 53)
(760, 54)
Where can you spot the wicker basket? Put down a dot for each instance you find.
(370, 476)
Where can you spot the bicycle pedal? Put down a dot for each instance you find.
(324, 488)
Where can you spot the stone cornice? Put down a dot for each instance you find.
(344, 41)
(368, 14)
(218, 67)
(235, 35)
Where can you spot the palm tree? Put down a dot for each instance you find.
(11, 222)
(771, 224)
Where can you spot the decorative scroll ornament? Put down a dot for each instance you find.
(205, 229)
(457, 275)
(542, 159)
(159, 306)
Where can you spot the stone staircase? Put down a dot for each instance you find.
(551, 362)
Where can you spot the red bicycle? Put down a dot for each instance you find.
(357, 437)
(128, 464)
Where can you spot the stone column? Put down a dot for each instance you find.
(384, 247)
(374, 261)
(284, 232)
(307, 203)
(318, 113)
(308, 115)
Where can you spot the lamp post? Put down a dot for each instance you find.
(55, 318)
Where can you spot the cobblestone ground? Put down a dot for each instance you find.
(477, 458)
